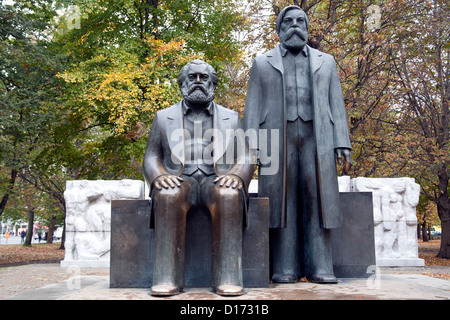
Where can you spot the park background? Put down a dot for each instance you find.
(81, 82)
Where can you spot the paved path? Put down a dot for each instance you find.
(51, 282)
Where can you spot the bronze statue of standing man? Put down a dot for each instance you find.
(295, 89)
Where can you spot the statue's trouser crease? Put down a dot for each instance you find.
(171, 209)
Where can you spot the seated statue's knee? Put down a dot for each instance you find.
(227, 194)
(169, 194)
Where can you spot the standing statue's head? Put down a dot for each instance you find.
(198, 81)
(292, 27)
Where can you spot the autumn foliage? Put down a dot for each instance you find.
(77, 103)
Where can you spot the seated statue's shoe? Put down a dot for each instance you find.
(165, 290)
(284, 278)
(229, 290)
(323, 278)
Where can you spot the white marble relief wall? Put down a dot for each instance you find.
(395, 220)
(88, 218)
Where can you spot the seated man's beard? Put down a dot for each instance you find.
(294, 38)
(198, 94)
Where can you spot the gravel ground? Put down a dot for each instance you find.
(19, 279)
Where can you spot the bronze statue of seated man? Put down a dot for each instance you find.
(191, 161)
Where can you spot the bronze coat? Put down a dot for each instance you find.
(163, 149)
(265, 108)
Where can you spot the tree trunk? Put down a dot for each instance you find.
(63, 238)
(443, 207)
(155, 17)
(29, 235)
(5, 197)
(444, 251)
(424, 231)
(51, 229)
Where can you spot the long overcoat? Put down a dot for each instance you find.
(265, 108)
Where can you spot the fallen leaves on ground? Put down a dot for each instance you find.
(18, 254)
(445, 276)
(428, 251)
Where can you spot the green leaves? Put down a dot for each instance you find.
(124, 63)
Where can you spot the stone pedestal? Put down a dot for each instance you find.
(354, 244)
(132, 253)
(132, 246)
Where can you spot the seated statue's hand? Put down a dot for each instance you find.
(229, 181)
(167, 181)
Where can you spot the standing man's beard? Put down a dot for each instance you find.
(198, 94)
(294, 38)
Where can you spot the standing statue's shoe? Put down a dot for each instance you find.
(229, 290)
(164, 290)
(284, 278)
(323, 278)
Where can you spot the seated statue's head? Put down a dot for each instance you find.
(198, 81)
(292, 27)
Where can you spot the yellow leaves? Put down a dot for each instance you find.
(84, 37)
(161, 48)
(68, 77)
(118, 87)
